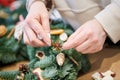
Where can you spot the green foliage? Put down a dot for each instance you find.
(29, 76)
(8, 50)
(85, 63)
(32, 63)
(46, 62)
(65, 69)
(11, 50)
(8, 75)
(72, 75)
(7, 57)
(50, 72)
(13, 16)
(31, 52)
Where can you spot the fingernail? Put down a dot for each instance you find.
(49, 35)
(49, 44)
(40, 37)
(64, 46)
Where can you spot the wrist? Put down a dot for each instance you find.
(47, 3)
(101, 26)
(29, 3)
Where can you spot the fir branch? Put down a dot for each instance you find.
(65, 69)
(8, 58)
(8, 75)
(85, 63)
(31, 52)
(32, 63)
(50, 72)
(29, 76)
(71, 76)
(47, 61)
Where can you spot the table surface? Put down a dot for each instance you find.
(107, 59)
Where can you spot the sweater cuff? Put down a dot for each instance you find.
(110, 20)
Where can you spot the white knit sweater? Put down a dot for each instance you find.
(77, 12)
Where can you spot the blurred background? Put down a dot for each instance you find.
(10, 49)
(10, 11)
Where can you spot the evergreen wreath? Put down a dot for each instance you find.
(48, 63)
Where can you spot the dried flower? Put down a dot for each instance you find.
(40, 54)
(38, 72)
(3, 30)
(63, 37)
(23, 68)
(57, 45)
(56, 31)
(60, 59)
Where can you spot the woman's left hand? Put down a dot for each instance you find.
(89, 38)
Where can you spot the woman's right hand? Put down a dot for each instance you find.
(37, 26)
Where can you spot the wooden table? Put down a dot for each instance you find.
(108, 58)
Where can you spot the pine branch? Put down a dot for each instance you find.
(47, 61)
(50, 72)
(8, 75)
(29, 76)
(31, 52)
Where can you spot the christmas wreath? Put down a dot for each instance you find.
(47, 63)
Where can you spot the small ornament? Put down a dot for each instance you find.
(109, 73)
(40, 54)
(23, 68)
(56, 45)
(56, 31)
(20, 76)
(60, 58)
(97, 76)
(38, 72)
(63, 37)
(3, 30)
(108, 78)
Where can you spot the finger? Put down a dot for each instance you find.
(93, 49)
(84, 46)
(25, 38)
(45, 22)
(89, 46)
(77, 40)
(21, 18)
(33, 40)
(75, 34)
(37, 28)
(89, 50)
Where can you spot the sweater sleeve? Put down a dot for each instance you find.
(110, 20)
(28, 4)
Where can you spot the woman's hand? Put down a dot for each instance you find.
(89, 38)
(36, 28)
